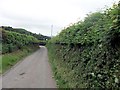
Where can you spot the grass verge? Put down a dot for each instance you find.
(10, 59)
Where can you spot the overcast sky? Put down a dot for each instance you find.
(37, 16)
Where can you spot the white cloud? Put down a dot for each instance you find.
(38, 15)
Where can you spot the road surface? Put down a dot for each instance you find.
(33, 72)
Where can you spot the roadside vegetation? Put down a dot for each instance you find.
(10, 59)
(87, 53)
(12, 41)
(16, 44)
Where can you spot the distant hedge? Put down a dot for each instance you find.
(12, 41)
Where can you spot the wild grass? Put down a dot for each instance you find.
(0, 64)
(10, 59)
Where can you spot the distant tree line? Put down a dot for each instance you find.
(23, 31)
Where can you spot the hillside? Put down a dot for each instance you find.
(23, 31)
(87, 53)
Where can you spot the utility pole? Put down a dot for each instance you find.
(51, 30)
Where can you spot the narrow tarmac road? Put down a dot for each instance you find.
(33, 72)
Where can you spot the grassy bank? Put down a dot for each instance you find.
(10, 59)
(0, 64)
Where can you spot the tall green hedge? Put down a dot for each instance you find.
(87, 53)
(12, 41)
